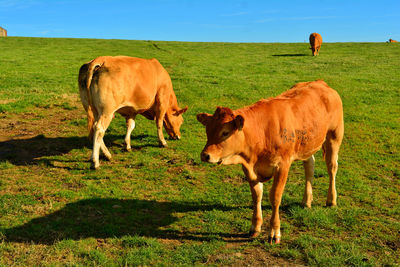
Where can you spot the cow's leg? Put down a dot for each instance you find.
(331, 147)
(161, 139)
(105, 150)
(130, 125)
(99, 129)
(160, 114)
(256, 222)
(275, 196)
(309, 172)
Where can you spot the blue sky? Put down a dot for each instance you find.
(205, 20)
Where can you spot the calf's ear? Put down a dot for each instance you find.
(203, 118)
(239, 122)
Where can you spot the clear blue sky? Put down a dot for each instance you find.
(205, 20)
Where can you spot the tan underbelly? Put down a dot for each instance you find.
(264, 171)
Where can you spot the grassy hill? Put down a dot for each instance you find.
(155, 206)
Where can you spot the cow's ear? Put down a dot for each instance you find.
(239, 122)
(179, 112)
(203, 118)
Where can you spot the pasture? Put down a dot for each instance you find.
(163, 206)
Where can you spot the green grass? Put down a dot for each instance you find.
(156, 206)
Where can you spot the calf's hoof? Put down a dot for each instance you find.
(254, 234)
(274, 240)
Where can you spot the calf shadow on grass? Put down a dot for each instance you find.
(110, 218)
(30, 151)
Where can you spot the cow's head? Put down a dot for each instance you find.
(173, 121)
(224, 135)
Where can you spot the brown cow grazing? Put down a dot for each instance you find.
(129, 86)
(392, 41)
(315, 42)
(269, 135)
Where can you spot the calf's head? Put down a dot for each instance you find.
(224, 135)
(173, 121)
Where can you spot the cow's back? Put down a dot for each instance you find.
(125, 82)
(315, 40)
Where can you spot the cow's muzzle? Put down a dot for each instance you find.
(205, 156)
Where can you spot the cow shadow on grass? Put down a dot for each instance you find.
(110, 218)
(289, 55)
(32, 150)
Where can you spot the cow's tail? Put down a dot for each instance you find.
(94, 66)
(85, 79)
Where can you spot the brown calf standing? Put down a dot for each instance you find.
(266, 137)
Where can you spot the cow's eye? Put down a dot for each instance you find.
(225, 134)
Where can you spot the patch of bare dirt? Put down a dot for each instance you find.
(7, 101)
(28, 136)
(252, 256)
(40, 122)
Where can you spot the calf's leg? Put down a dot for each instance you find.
(331, 148)
(309, 172)
(331, 160)
(256, 189)
(275, 196)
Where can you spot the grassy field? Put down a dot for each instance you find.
(163, 206)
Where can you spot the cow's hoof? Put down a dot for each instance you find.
(254, 234)
(94, 166)
(163, 144)
(274, 240)
(105, 157)
(330, 204)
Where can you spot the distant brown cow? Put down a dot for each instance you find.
(315, 42)
(129, 86)
(266, 137)
(392, 41)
